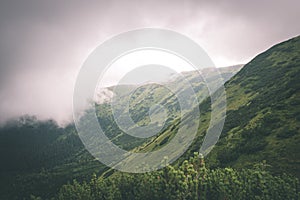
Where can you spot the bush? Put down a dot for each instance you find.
(192, 180)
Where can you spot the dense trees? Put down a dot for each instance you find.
(39, 156)
(192, 180)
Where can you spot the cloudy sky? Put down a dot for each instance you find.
(43, 43)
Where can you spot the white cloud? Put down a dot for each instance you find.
(44, 43)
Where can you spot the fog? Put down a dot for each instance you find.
(44, 43)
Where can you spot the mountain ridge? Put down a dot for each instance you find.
(262, 125)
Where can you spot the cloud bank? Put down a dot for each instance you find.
(44, 43)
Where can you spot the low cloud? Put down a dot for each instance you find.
(44, 43)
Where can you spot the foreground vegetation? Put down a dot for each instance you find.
(191, 180)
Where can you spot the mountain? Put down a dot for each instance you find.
(263, 114)
(38, 157)
(145, 96)
(260, 136)
(261, 126)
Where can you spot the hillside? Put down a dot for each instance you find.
(145, 96)
(263, 114)
(261, 128)
(37, 157)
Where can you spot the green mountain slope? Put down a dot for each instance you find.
(37, 157)
(262, 122)
(263, 112)
(145, 96)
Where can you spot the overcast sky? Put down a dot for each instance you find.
(44, 43)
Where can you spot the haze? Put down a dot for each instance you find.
(44, 43)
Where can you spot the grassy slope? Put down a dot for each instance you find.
(146, 96)
(263, 114)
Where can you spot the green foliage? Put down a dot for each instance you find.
(286, 133)
(262, 119)
(262, 110)
(191, 180)
(38, 157)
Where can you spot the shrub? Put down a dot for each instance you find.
(192, 180)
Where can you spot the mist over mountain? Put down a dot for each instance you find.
(43, 44)
(259, 140)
